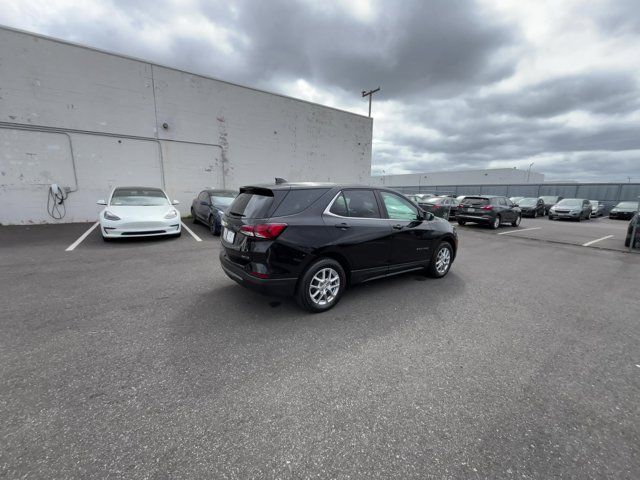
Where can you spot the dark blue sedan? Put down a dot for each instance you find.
(209, 206)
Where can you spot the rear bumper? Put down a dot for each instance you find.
(278, 287)
(473, 218)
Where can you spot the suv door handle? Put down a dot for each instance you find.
(342, 226)
(398, 227)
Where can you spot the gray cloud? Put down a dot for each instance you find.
(440, 47)
(438, 62)
(597, 92)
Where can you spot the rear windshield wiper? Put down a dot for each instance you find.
(236, 214)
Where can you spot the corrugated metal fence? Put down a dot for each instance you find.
(608, 193)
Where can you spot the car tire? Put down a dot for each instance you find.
(107, 239)
(212, 227)
(535, 214)
(495, 223)
(462, 223)
(194, 218)
(441, 261)
(313, 274)
(517, 221)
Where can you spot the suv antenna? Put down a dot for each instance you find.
(280, 181)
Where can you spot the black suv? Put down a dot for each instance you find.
(311, 240)
(490, 210)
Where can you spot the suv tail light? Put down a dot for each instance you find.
(487, 207)
(263, 230)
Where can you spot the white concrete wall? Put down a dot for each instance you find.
(92, 103)
(492, 176)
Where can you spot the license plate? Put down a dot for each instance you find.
(229, 235)
(471, 210)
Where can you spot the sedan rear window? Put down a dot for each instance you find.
(251, 205)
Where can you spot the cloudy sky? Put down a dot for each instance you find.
(465, 84)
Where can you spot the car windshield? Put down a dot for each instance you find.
(549, 199)
(222, 201)
(139, 197)
(527, 202)
(570, 202)
(633, 205)
(433, 200)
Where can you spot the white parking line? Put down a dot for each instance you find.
(198, 239)
(517, 231)
(596, 241)
(82, 237)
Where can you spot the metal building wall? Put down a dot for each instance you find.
(91, 120)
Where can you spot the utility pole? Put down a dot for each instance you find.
(370, 95)
(529, 172)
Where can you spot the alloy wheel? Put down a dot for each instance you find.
(324, 286)
(443, 260)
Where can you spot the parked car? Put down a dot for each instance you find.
(490, 210)
(597, 208)
(443, 207)
(636, 242)
(571, 209)
(209, 206)
(312, 240)
(531, 207)
(624, 210)
(138, 212)
(550, 201)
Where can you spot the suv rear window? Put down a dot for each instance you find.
(251, 204)
(475, 201)
(298, 200)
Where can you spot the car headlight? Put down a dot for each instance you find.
(110, 216)
(172, 214)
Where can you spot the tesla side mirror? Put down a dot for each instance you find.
(101, 202)
(175, 202)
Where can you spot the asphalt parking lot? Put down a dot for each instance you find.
(141, 359)
(600, 233)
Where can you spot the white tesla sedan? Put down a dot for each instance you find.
(139, 212)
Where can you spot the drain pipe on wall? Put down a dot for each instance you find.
(68, 132)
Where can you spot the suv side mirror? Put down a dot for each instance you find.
(101, 202)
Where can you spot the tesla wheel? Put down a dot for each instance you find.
(193, 216)
(107, 239)
(321, 286)
(441, 261)
(495, 223)
(517, 221)
(462, 222)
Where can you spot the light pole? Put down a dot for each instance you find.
(370, 95)
(529, 172)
